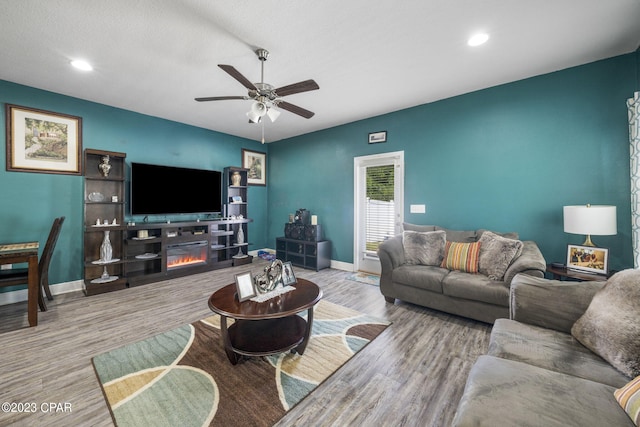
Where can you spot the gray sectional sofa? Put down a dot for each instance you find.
(538, 372)
(421, 279)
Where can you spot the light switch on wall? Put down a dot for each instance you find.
(417, 209)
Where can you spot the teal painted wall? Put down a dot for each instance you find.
(506, 158)
(30, 201)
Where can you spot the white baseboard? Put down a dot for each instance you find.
(21, 295)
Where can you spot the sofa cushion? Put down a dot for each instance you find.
(629, 398)
(420, 276)
(611, 325)
(475, 287)
(496, 254)
(502, 392)
(549, 349)
(461, 256)
(417, 227)
(463, 236)
(426, 248)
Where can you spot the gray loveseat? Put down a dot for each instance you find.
(537, 374)
(476, 296)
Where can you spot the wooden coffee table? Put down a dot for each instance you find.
(264, 328)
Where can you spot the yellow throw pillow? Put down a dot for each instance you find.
(461, 256)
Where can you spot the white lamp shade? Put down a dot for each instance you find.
(597, 220)
(273, 114)
(253, 117)
(259, 108)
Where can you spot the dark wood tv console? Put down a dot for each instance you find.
(159, 251)
(144, 252)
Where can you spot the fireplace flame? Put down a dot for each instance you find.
(184, 260)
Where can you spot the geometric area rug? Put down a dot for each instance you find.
(183, 377)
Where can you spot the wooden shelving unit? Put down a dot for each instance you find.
(149, 252)
(103, 201)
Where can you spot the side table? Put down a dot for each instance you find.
(561, 273)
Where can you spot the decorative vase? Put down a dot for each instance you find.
(106, 250)
(236, 179)
(105, 167)
(240, 237)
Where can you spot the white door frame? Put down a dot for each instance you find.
(363, 261)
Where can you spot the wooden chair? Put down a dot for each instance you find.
(19, 276)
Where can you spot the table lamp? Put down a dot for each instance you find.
(599, 220)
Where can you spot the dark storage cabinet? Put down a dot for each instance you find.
(305, 254)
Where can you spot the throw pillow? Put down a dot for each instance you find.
(611, 325)
(629, 398)
(461, 256)
(423, 248)
(496, 254)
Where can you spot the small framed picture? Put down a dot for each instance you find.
(256, 162)
(244, 286)
(588, 258)
(288, 276)
(377, 137)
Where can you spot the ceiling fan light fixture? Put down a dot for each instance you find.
(273, 114)
(259, 108)
(253, 117)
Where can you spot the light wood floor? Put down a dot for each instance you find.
(413, 374)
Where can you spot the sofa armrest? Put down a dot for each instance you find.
(530, 262)
(551, 304)
(391, 255)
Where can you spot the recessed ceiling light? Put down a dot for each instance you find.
(478, 39)
(81, 65)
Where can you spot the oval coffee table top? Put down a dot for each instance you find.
(225, 302)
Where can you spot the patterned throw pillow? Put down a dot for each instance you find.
(461, 256)
(629, 398)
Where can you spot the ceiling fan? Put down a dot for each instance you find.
(264, 95)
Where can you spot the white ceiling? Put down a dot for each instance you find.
(368, 57)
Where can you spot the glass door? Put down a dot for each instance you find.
(379, 201)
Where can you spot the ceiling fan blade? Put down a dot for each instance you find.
(220, 98)
(238, 76)
(295, 109)
(304, 86)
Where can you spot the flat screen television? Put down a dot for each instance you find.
(157, 189)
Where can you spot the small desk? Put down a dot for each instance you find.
(27, 253)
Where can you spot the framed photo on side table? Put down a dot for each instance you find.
(244, 286)
(288, 276)
(256, 162)
(588, 258)
(43, 141)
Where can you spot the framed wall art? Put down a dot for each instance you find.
(256, 162)
(378, 137)
(588, 258)
(43, 141)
